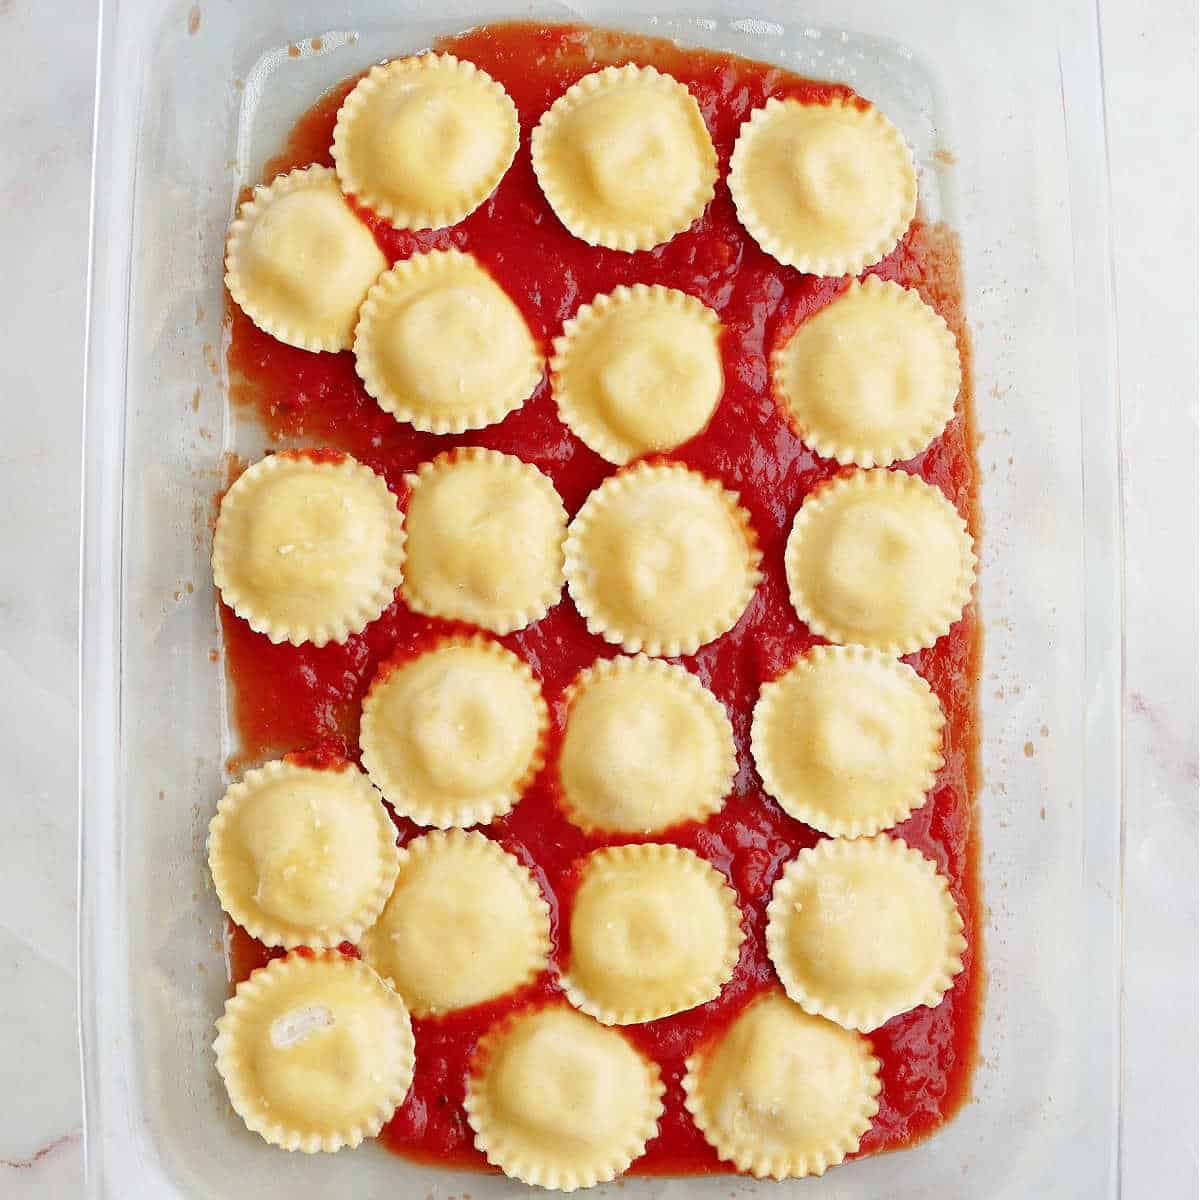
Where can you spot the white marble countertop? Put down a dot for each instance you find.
(46, 108)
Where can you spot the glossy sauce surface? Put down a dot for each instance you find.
(289, 699)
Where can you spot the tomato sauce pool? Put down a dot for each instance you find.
(303, 699)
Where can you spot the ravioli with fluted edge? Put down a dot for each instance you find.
(560, 1101)
(423, 141)
(638, 370)
(485, 540)
(316, 1052)
(308, 546)
(453, 735)
(780, 1093)
(870, 378)
(848, 740)
(302, 856)
(631, 723)
(299, 263)
(828, 188)
(465, 922)
(662, 559)
(624, 158)
(655, 930)
(881, 559)
(860, 931)
(440, 345)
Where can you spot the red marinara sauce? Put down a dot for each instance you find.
(290, 699)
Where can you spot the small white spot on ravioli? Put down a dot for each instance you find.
(299, 1024)
(848, 740)
(661, 559)
(306, 549)
(560, 1101)
(631, 723)
(870, 378)
(879, 558)
(860, 931)
(423, 141)
(316, 1052)
(298, 261)
(302, 857)
(466, 923)
(781, 1093)
(440, 345)
(655, 930)
(638, 370)
(485, 538)
(624, 158)
(828, 188)
(453, 736)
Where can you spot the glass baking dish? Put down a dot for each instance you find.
(1003, 105)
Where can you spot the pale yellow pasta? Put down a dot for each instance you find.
(298, 262)
(870, 378)
(848, 740)
(423, 141)
(638, 370)
(465, 923)
(453, 736)
(485, 540)
(828, 188)
(301, 856)
(316, 1052)
(441, 346)
(780, 1093)
(631, 723)
(655, 930)
(308, 549)
(881, 559)
(624, 158)
(860, 931)
(560, 1101)
(661, 559)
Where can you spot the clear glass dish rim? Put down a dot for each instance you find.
(101, 895)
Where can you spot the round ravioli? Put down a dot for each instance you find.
(655, 930)
(848, 740)
(661, 559)
(631, 724)
(423, 141)
(559, 1101)
(624, 158)
(827, 188)
(485, 540)
(882, 559)
(860, 931)
(454, 735)
(301, 856)
(316, 1052)
(638, 370)
(308, 547)
(298, 262)
(466, 923)
(871, 378)
(440, 345)
(781, 1093)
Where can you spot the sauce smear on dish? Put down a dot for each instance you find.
(290, 699)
